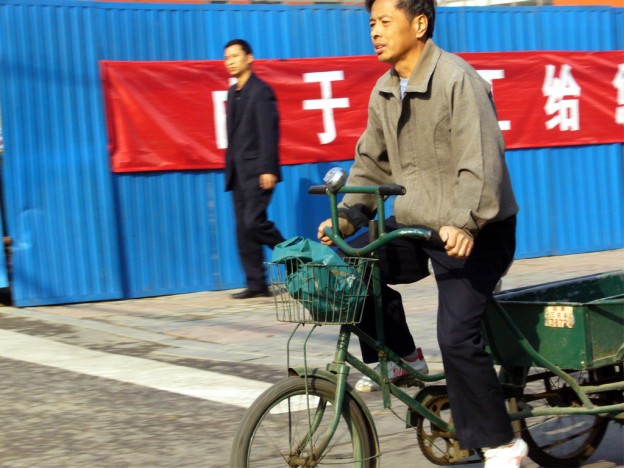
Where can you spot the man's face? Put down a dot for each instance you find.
(392, 34)
(237, 61)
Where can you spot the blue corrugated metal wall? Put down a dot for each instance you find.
(57, 183)
(81, 233)
(4, 268)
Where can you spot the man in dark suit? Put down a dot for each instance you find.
(251, 163)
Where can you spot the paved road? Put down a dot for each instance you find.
(163, 382)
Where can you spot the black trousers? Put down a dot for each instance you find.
(254, 230)
(464, 286)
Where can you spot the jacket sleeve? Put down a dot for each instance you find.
(478, 149)
(370, 167)
(267, 120)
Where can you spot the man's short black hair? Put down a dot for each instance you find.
(412, 9)
(241, 42)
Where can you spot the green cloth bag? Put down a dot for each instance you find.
(331, 289)
(306, 251)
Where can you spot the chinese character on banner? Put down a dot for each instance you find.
(327, 103)
(560, 103)
(618, 83)
(490, 76)
(219, 100)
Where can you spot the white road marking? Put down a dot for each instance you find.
(196, 383)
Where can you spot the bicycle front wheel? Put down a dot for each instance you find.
(286, 425)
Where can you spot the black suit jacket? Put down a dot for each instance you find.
(253, 135)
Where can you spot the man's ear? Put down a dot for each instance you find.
(250, 58)
(420, 24)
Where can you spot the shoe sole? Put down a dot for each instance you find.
(401, 382)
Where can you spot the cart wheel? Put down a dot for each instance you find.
(560, 440)
(439, 446)
(276, 429)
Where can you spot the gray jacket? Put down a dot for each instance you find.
(442, 142)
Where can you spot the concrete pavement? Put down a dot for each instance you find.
(213, 327)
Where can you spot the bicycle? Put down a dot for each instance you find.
(560, 400)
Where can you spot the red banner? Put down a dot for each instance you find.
(171, 115)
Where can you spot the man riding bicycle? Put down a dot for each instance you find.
(432, 127)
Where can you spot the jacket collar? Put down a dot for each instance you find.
(249, 81)
(421, 75)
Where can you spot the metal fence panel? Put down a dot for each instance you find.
(4, 267)
(56, 178)
(571, 199)
(618, 27)
(509, 29)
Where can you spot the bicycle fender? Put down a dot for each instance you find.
(331, 377)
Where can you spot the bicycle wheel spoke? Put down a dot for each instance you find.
(290, 427)
(559, 439)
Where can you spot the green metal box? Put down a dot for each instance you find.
(576, 324)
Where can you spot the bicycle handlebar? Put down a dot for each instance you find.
(425, 234)
(381, 192)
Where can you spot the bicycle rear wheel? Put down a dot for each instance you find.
(284, 425)
(560, 440)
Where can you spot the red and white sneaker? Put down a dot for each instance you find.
(506, 456)
(416, 361)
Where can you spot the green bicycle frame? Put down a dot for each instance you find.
(342, 356)
(343, 359)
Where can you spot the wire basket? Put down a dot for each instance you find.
(320, 294)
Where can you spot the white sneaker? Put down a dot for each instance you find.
(395, 373)
(506, 456)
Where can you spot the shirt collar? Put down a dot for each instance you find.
(421, 75)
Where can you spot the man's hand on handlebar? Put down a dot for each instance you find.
(457, 242)
(345, 227)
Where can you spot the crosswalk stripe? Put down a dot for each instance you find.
(187, 381)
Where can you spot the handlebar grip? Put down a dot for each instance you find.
(391, 189)
(317, 190)
(436, 239)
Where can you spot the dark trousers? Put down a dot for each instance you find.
(464, 286)
(253, 230)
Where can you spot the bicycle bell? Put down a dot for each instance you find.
(335, 179)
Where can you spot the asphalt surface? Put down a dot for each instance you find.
(164, 381)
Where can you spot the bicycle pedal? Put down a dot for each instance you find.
(409, 381)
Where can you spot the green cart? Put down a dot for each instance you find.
(560, 346)
(577, 324)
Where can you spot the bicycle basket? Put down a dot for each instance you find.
(320, 294)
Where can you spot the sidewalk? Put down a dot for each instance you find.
(211, 325)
